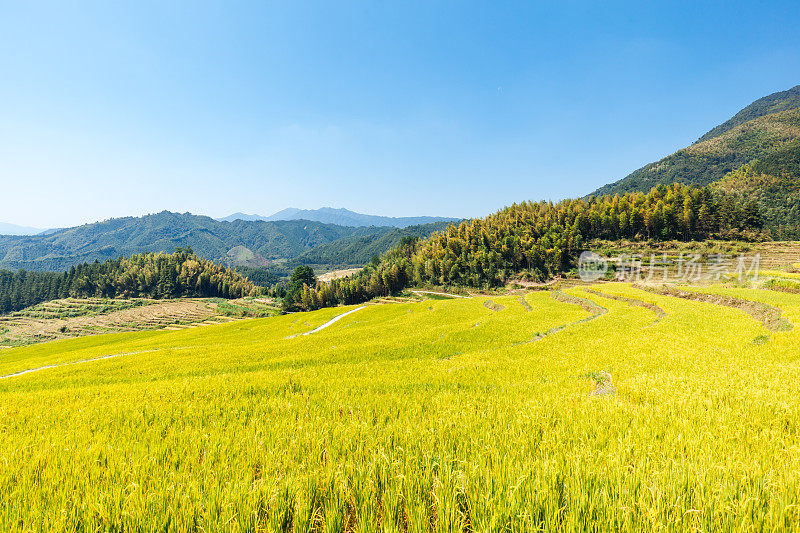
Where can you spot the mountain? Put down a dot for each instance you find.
(774, 103)
(767, 133)
(241, 216)
(241, 242)
(358, 250)
(341, 217)
(164, 232)
(13, 229)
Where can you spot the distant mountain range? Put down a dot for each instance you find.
(764, 134)
(753, 156)
(13, 229)
(341, 217)
(239, 242)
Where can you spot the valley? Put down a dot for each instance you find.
(246, 243)
(621, 361)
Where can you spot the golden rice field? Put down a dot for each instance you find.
(442, 415)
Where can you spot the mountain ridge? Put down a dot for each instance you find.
(767, 129)
(772, 103)
(339, 216)
(7, 228)
(240, 242)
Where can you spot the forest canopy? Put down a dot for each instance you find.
(543, 239)
(149, 275)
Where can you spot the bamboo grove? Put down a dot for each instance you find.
(150, 275)
(540, 240)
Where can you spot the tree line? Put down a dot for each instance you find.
(148, 275)
(537, 240)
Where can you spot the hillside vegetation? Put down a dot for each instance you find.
(775, 137)
(449, 415)
(777, 197)
(359, 250)
(540, 240)
(253, 243)
(182, 273)
(773, 103)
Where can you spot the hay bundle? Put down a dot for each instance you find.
(604, 385)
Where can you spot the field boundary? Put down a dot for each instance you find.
(768, 315)
(589, 306)
(660, 313)
(440, 294)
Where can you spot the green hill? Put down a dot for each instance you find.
(773, 103)
(250, 242)
(767, 133)
(777, 196)
(148, 275)
(538, 241)
(359, 249)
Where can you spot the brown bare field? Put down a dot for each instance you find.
(335, 274)
(52, 320)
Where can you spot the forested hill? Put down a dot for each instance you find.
(181, 273)
(539, 240)
(360, 249)
(251, 243)
(773, 103)
(767, 129)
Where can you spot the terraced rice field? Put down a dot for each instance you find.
(78, 317)
(468, 414)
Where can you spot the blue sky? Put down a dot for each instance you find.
(395, 108)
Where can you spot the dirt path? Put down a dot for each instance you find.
(334, 320)
(440, 294)
(102, 357)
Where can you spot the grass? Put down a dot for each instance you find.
(437, 415)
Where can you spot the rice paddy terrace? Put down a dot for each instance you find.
(78, 317)
(468, 414)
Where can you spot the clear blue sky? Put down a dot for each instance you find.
(395, 108)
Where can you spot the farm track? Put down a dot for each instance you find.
(334, 320)
(327, 324)
(101, 358)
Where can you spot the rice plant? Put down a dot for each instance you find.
(442, 415)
